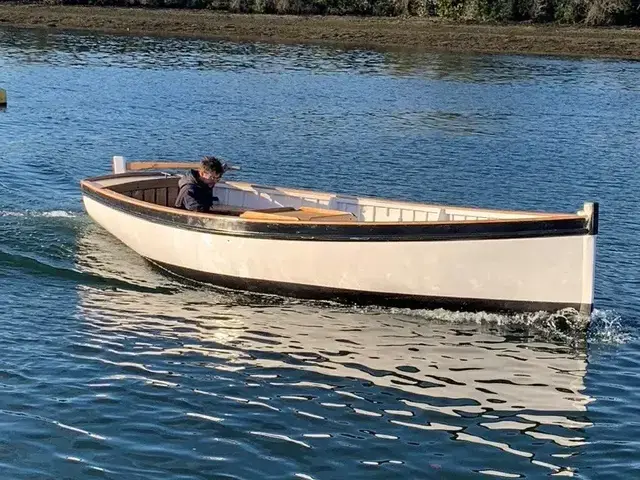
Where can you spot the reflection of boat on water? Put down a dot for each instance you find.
(322, 245)
(433, 359)
(432, 380)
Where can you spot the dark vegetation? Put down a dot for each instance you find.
(587, 12)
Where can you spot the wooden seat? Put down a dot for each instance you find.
(309, 214)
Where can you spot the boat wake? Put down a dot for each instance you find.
(567, 322)
(567, 326)
(607, 328)
(49, 214)
(45, 244)
(41, 267)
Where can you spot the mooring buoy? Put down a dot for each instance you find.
(3, 98)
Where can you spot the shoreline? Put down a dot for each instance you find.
(426, 34)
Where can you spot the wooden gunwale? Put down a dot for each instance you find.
(91, 184)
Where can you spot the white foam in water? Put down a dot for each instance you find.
(53, 213)
(567, 324)
(12, 214)
(59, 213)
(526, 319)
(607, 328)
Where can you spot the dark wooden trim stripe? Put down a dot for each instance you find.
(551, 226)
(111, 176)
(593, 224)
(354, 297)
(139, 166)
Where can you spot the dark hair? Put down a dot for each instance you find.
(211, 164)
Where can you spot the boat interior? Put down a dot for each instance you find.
(267, 203)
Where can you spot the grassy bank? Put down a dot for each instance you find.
(588, 12)
(416, 33)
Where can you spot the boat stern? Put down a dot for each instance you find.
(591, 211)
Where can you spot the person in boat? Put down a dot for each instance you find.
(196, 186)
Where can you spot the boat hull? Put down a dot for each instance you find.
(522, 273)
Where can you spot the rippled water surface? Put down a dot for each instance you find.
(110, 369)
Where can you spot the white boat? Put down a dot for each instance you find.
(340, 247)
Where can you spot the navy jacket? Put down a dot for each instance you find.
(194, 194)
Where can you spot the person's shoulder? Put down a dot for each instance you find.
(189, 178)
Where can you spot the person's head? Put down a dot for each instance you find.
(211, 170)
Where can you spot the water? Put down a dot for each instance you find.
(111, 369)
